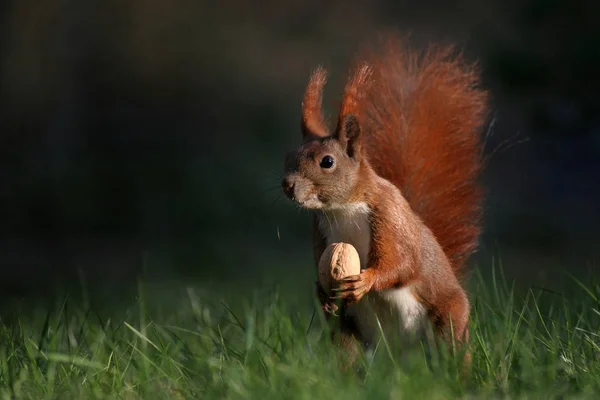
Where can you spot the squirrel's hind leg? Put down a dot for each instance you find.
(452, 323)
(349, 340)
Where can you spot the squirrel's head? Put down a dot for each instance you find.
(323, 172)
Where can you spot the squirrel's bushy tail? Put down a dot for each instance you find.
(422, 114)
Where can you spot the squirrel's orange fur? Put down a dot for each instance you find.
(422, 115)
(397, 179)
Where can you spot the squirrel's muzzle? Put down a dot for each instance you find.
(301, 191)
(288, 187)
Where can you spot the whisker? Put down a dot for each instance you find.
(273, 188)
(328, 219)
(275, 201)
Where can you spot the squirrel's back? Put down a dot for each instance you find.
(423, 114)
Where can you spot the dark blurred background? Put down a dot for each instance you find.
(148, 136)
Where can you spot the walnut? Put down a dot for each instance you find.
(338, 261)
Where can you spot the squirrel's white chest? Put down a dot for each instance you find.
(397, 309)
(349, 225)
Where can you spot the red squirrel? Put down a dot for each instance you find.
(397, 179)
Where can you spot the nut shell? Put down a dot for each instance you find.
(338, 261)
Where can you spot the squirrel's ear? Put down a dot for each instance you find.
(349, 135)
(313, 122)
(348, 130)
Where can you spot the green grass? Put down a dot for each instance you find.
(189, 343)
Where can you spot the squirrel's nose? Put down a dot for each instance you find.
(288, 187)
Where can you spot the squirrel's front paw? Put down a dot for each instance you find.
(353, 288)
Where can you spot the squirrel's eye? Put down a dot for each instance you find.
(326, 162)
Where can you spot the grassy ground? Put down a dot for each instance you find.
(188, 343)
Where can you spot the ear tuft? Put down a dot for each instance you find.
(356, 85)
(313, 121)
(353, 103)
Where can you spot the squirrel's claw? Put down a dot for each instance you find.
(353, 288)
(352, 278)
(330, 308)
(327, 305)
